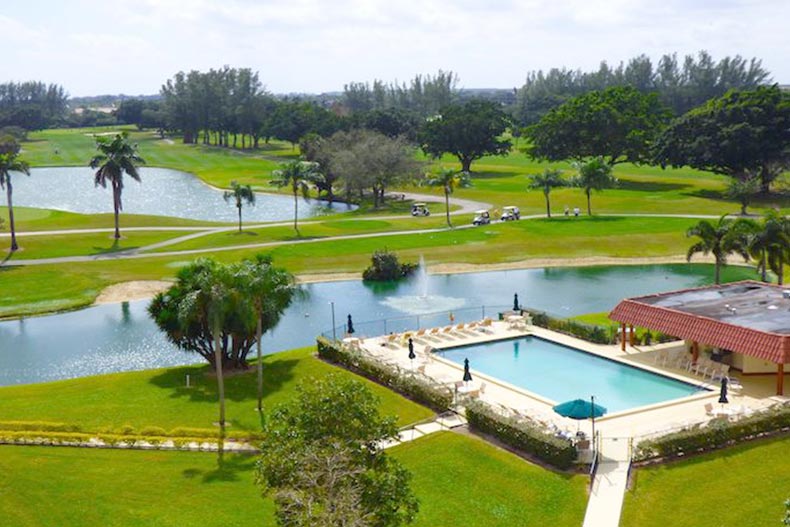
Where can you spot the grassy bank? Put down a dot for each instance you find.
(160, 397)
(459, 480)
(748, 483)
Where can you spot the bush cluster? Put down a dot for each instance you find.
(384, 266)
(521, 435)
(46, 429)
(437, 398)
(592, 333)
(719, 433)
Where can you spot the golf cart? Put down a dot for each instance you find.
(420, 209)
(510, 213)
(481, 218)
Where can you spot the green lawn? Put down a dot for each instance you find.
(160, 397)
(35, 289)
(86, 244)
(743, 485)
(459, 480)
(464, 481)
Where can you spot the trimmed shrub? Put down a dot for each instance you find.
(414, 387)
(717, 434)
(521, 435)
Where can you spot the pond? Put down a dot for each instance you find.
(121, 337)
(163, 192)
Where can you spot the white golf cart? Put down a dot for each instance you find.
(510, 213)
(420, 209)
(481, 218)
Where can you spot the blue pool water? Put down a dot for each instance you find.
(561, 373)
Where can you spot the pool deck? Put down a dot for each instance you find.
(637, 423)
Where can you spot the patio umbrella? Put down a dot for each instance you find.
(515, 302)
(350, 326)
(723, 392)
(581, 409)
(412, 356)
(467, 373)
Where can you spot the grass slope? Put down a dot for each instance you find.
(459, 480)
(160, 398)
(743, 485)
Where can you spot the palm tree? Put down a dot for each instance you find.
(777, 244)
(9, 162)
(594, 175)
(449, 180)
(546, 181)
(117, 156)
(240, 194)
(298, 175)
(271, 291)
(720, 239)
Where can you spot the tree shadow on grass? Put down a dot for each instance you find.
(649, 186)
(228, 468)
(239, 386)
(496, 175)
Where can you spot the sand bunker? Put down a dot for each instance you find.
(136, 290)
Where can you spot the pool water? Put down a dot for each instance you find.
(562, 373)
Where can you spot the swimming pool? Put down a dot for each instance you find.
(562, 373)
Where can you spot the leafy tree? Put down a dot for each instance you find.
(116, 157)
(743, 134)
(468, 131)
(375, 161)
(32, 105)
(271, 291)
(130, 111)
(448, 179)
(548, 180)
(240, 194)
(321, 459)
(384, 266)
(298, 175)
(321, 150)
(594, 175)
(617, 124)
(10, 162)
(721, 239)
(392, 122)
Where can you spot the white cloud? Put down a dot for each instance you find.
(313, 45)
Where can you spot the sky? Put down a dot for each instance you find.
(93, 47)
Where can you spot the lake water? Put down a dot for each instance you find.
(121, 337)
(163, 192)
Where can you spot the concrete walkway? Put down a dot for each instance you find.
(443, 422)
(606, 498)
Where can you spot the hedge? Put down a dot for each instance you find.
(414, 387)
(44, 428)
(589, 332)
(521, 435)
(717, 434)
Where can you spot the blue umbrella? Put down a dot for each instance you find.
(580, 409)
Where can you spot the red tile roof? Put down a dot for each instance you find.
(774, 347)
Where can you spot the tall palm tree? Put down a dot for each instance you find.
(721, 239)
(116, 157)
(298, 175)
(9, 162)
(549, 179)
(777, 243)
(240, 194)
(594, 175)
(271, 291)
(449, 180)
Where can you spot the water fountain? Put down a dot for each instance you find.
(422, 302)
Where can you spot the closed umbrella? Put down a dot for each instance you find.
(515, 302)
(350, 326)
(723, 392)
(467, 373)
(412, 356)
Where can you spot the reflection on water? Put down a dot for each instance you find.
(163, 192)
(120, 337)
